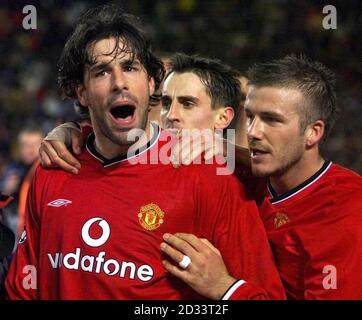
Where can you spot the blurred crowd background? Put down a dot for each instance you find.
(239, 32)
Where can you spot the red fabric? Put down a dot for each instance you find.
(324, 229)
(316, 237)
(194, 200)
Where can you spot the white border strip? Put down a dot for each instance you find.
(315, 180)
(233, 288)
(91, 153)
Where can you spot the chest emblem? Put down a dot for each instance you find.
(280, 219)
(151, 216)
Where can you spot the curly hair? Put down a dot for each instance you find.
(98, 23)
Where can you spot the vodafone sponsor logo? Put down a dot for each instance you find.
(106, 232)
(100, 263)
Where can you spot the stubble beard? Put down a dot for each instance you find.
(286, 163)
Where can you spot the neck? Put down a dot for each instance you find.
(109, 149)
(296, 175)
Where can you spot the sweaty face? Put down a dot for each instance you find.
(186, 104)
(275, 139)
(116, 90)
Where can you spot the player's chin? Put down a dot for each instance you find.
(261, 170)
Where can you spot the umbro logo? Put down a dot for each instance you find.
(59, 202)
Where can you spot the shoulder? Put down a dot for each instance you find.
(45, 175)
(345, 189)
(344, 181)
(345, 176)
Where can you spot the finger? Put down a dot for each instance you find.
(173, 253)
(196, 152)
(189, 146)
(179, 244)
(191, 240)
(55, 160)
(213, 146)
(210, 245)
(185, 145)
(175, 154)
(64, 154)
(210, 154)
(44, 159)
(175, 271)
(77, 141)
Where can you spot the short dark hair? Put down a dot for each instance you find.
(31, 127)
(220, 80)
(316, 82)
(98, 23)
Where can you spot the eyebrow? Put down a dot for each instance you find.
(269, 114)
(187, 98)
(99, 66)
(166, 97)
(272, 115)
(102, 65)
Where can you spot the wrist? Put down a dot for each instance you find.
(223, 286)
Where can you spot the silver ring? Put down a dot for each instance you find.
(185, 262)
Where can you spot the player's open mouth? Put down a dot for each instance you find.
(123, 114)
(257, 153)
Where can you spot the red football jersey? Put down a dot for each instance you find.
(97, 235)
(315, 231)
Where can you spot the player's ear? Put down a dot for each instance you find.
(223, 117)
(151, 85)
(314, 133)
(81, 93)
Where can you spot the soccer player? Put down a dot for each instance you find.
(7, 240)
(96, 235)
(18, 174)
(311, 208)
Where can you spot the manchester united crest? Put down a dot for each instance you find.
(280, 219)
(151, 216)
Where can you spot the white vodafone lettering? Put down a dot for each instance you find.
(98, 264)
(54, 262)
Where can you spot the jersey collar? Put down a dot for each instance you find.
(109, 162)
(275, 198)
